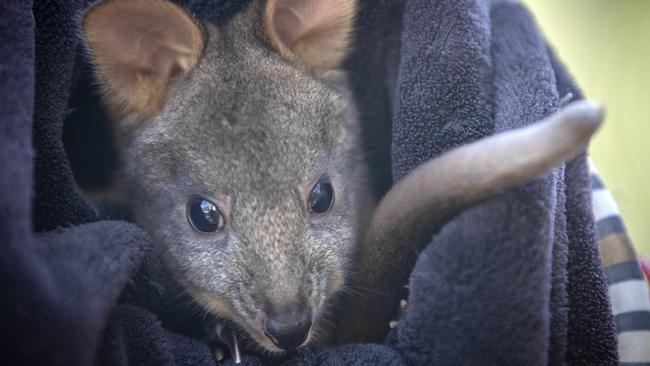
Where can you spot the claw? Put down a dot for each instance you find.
(227, 337)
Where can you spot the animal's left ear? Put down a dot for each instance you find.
(315, 32)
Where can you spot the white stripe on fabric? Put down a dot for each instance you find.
(629, 296)
(633, 346)
(604, 204)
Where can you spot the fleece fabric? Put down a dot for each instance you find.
(515, 280)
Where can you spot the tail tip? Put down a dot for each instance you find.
(586, 114)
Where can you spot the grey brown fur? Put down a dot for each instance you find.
(254, 133)
(253, 130)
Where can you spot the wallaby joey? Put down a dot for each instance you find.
(240, 157)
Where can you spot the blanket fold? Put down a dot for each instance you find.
(57, 201)
(515, 280)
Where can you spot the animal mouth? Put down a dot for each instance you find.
(276, 331)
(234, 337)
(278, 343)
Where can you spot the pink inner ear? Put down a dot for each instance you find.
(316, 31)
(150, 43)
(138, 46)
(293, 19)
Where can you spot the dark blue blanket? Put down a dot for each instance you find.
(516, 280)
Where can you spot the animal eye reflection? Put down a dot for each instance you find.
(321, 197)
(204, 216)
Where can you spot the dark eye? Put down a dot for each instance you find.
(204, 215)
(321, 197)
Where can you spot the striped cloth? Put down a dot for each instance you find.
(628, 289)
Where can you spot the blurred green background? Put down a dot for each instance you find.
(605, 44)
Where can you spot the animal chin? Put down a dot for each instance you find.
(264, 341)
(260, 339)
(255, 338)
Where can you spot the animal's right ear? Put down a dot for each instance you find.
(139, 48)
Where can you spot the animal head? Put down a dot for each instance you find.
(239, 152)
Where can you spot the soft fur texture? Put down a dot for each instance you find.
(516, 280)
(252, 133)
(506, 71)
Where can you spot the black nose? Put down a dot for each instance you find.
(288, 329)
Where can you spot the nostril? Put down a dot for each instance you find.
(288, 330)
